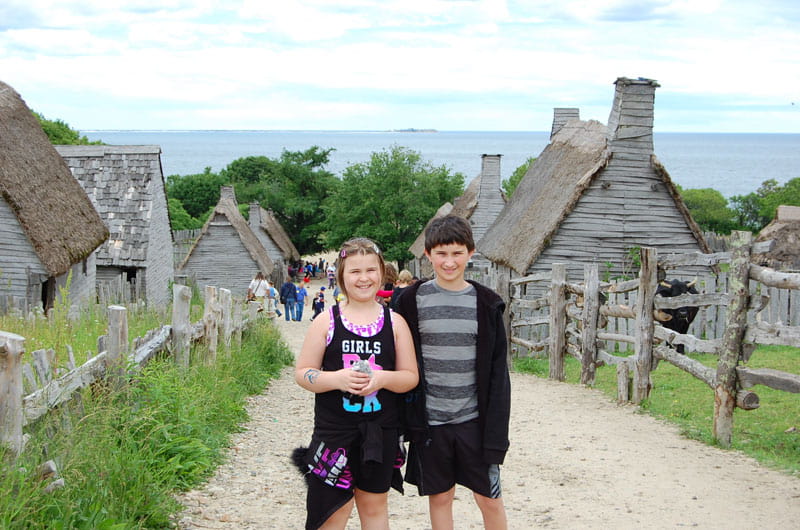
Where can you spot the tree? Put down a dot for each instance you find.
(178, 217)
(197, 193)
(294, 187)
(389, 199)
(59, 133)
(755, 210)
(510, 184)
(710, 210)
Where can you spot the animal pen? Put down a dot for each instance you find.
(577, 315)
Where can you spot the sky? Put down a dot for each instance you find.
(471, 65)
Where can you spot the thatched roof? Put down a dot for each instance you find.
(229, 208)
(270, 224)
(124, 182)
(418, 246)
(785, 231)
(546, 195)
(56, 215)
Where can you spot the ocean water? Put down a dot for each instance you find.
(734, 164)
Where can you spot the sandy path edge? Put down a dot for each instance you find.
(577, 460)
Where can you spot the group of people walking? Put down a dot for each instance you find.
(428, 368)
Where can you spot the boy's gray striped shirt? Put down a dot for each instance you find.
(448, 325)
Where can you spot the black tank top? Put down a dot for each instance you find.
(336, 408)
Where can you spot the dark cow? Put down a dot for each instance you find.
(681, 317)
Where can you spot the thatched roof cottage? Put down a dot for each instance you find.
(126, 186)
(275, 240)
(227, 253)
(48, 226)
(480, 204)
(594, 194)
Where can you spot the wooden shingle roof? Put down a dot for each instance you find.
(120, 182)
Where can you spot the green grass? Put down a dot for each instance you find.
(129, 450)
(680, 398)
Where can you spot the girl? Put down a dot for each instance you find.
(358, 357)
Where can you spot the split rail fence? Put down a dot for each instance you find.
(29, 392)
(577, 315)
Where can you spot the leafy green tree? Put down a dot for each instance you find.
(197, 193)
(60, 133)
(755, 210)
(510, 184)
(389, 199)
(293, 186)
(179, 219)
(710, 210)
(788, 194)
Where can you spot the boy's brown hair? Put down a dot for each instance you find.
(357, 245)
(447, 230)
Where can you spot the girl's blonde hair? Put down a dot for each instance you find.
(356, 246)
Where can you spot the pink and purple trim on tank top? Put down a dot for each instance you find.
(362, 331)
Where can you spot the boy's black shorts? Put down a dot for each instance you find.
(453, 456)
(371, 476)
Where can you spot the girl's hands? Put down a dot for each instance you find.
(354, 382)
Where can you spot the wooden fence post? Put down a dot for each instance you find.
(558, 321)
(253, 310)
(643, 356)
(225, 303)
(735, 324)
(181, 327)
(237, 324)
(210, 324)
(11, 349)
(591, 312)
(117, 344)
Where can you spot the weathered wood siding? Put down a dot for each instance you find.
(221, 259)
(626, 206)
(18, 260)
(279, 273)
(159, 270)
(22, 273)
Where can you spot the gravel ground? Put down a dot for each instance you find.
(577, 460)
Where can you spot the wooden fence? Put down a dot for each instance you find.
(576, 315)
(29, 392)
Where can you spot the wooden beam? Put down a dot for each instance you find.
(591, 314)
(558, 321)
(643, 345)
(766, 333)
(620, 287)
(691, 300)
(674, 261)
(537, 277)
(690, 341)
(749, 377)
(536, 303)
(773, 278)
(687, 364)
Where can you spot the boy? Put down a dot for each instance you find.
(457, 417)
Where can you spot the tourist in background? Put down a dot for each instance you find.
(302, 300)
(288, 299)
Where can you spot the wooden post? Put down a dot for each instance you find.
(253, 310)
(591, 312)
(558, 321)
(210, 324)
(225, 306)
(237, 324)
(11, 349)
(623, 383)
(117, 343)
(181, 327)
(643, 356)
(735, 324)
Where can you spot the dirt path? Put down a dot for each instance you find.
(577, 460)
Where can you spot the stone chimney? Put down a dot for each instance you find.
(562, 115)
(631, 119)
(226, 192)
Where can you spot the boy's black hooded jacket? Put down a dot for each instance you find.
(494, 384)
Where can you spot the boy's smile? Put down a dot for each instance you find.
(449, 263)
